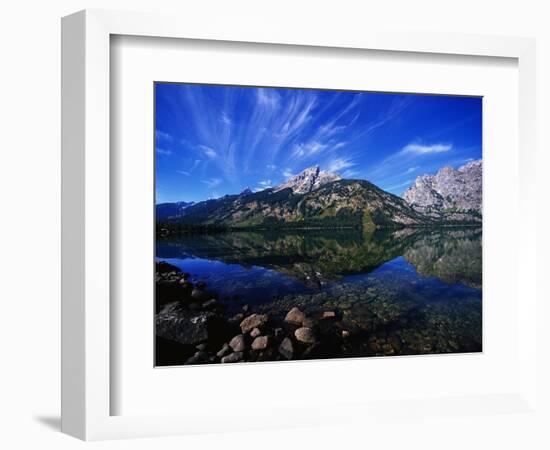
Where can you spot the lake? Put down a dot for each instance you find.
(407, 291)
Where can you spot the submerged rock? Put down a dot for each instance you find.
(253, 321)
(295, 316)
(225, 350)
(200, 295)
(237, 343)
(286, 348)
(183, 326)
(260, 343)
(233, 357)
(305, 335)
(255, 333)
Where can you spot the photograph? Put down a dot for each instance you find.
(295, 223)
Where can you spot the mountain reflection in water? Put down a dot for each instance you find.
(423, 284)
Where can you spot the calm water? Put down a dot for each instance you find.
(424, 285)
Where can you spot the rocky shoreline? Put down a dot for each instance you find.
(192, 323)
(194, 326)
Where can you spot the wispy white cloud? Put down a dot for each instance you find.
(225, 119)
(208, 151)
(308, 149)
(287, 173)
(267, 97)
(271, 167)
(400, 185)
(350, 173)
(339, 145)
(265, 183)
(338, 164)
(411, 169)
(183, 172)
(161, 135)
(212, 182)
(163, 151)
(421, 149)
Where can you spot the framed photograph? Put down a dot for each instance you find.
(300, 223)
(281, 209)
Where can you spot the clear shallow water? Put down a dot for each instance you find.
(423, 286)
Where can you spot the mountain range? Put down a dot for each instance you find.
(450, 194)
(320, 199)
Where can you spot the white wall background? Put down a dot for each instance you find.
(30, 237)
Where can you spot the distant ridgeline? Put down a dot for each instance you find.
(316, 199)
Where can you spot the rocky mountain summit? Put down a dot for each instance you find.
(451, 193)
(308, 180)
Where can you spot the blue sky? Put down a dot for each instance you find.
(217, 140)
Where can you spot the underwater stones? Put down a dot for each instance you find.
(237, 318)
(345, 334)
(313, 351)
(209, 304)
(260, 343)
(185, 327)
(233, 357)
(225, 350)
(238, 343)
(295, 316)
(255, 332)
(305, 335)
(286, 348)
(395, 342)
(328, 315)
(200, 295)
(253, 321)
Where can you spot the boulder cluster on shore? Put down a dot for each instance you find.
(195, 324)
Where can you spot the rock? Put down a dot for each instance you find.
(305, 335)
(255, 332)
(295, 316)
(193, 360)
(459, 190)
(201, 347)
(279, 333)
(201, 285)
(245, 309)
(183, 326)
(309, 323)
(164, 267)
(233, 357)
(253, 321)
(396, 342)
(225, 350)
(238, 343)
(200, 295)
(313, 351)
(237, 318)
(194, 306)
(168, 291)
(286, 348)
(209, 304)
(186, 288)
(328, 315)
(308, 180)
(260, 343)
(345, 334)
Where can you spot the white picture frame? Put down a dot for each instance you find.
(86, 246)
